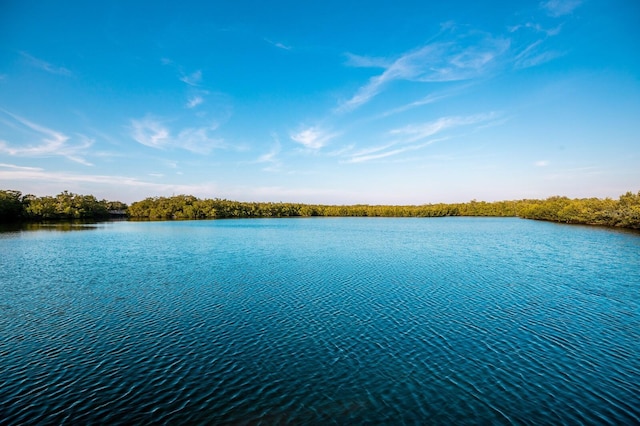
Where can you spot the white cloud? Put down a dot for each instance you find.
(541, 163)
(153, 133)
(463, 59)
(150, 132)
(194, 101)
(537, 28)
(46, 66)
(369, 157)
(198, 140)
(557, 8)
(539, 59)
(417, 136)
(271, 158)
(532, 56)
(23, 168)
(192, 79)
(415, 104)
(51, 142)
(65, 178)
(313, 137)
(367, 61)
(413, 133)
(278, 45)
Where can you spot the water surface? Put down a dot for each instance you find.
(320, 321)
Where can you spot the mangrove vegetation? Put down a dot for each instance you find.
(623, 212)
(64, 206)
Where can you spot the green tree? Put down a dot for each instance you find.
(11, 206)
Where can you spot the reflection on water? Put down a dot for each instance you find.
(60, 226)
(320, 321)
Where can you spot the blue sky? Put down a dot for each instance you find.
(337, 102)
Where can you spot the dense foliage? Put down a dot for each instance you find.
(624, 212)
(64, 206)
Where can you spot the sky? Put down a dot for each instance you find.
(333, 102)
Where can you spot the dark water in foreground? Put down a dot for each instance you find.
(320, 321)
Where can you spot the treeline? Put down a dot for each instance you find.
(64, 206)
(190, 207)
(623, 212)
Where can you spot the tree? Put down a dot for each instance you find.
(11, 207)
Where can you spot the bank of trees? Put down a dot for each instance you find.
(64, 206)
(623, 212)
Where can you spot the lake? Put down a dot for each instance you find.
(320, 321)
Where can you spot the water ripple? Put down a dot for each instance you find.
(321, 322)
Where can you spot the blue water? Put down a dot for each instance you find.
(320, 321)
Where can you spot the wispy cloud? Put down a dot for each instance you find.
(150, 132)
(528, 60)
(417, 136)
(192, 79)
(194, 101)
(378, 156)
(537, 28)
(429, 99)
(456, 60)
(198, 140)
(558, 8)
(534, 54)
(278, 44)
(270, 159)
(358, 61)
(413, 133)
(46, 66)
(123, 181)
(50, 142)
(541, 163)
(313, 137)
(154, 133)
(23, 168)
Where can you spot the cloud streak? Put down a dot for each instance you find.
(125, 181)
(470, 57)
(193, 79)
(358, 61)
(194, 101)
(412, 133)
(556, 8)
(313, 137)
(198, 140)
(22, 168)
(154, 133)
(51, 142)
(46, 66)
(270, 159)
(278, 45)
(417, 136)
(150, 132)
